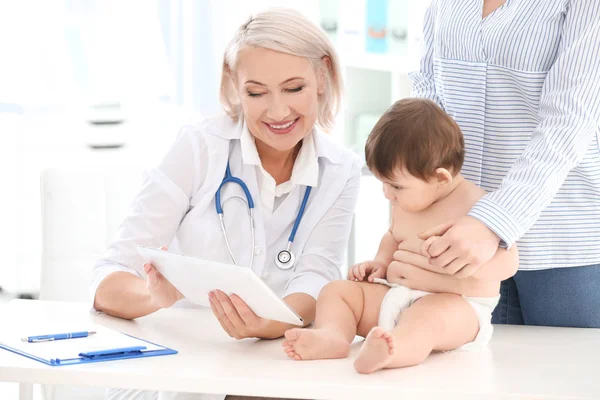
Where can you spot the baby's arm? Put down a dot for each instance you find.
(387, 247)
(377, 267)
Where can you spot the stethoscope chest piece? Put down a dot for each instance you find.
(284, 259)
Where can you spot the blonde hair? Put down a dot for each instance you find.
(285, 31)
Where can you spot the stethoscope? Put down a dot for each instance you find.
(285, 258)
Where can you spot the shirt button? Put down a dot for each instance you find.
(256, 250)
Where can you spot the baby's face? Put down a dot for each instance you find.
(409, 193)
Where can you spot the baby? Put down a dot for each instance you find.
(408, 310)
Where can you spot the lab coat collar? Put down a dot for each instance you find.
(306, 166)
(324, 145)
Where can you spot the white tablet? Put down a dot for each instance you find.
(195, 277)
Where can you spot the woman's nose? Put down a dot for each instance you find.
(278, 110)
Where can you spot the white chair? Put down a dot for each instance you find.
(81, 211)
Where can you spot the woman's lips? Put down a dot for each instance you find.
(283, 127)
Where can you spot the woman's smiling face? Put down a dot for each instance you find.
(279, 95)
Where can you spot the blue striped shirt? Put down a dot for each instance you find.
(524, 86)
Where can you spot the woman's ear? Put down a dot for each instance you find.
(231, 76)
(443, 176)
(324, 69)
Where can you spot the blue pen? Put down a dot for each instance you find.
(57, 336)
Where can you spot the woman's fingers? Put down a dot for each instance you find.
(446, 258)
(218, 311)
(231, 312)
(456, 265)
(437, 230)
(426, 244)
(247, 315)
(466, 271)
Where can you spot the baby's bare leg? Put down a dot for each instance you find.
(434, 322)
(344, 309)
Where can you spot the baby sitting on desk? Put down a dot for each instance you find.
(407, 310)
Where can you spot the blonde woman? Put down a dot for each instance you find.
(280, 90)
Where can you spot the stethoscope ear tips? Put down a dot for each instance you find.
(284, 259)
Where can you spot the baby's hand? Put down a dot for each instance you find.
(426, 244)
(367, 269)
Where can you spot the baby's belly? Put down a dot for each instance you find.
(478, 288)
(420, 279)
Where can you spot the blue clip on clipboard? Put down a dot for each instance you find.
(97, 355)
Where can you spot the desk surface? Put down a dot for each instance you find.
(522, 362)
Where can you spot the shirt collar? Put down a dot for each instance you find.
(306, 166)
(248, 146)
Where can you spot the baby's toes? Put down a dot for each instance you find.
(392, 344)
(377, 332)
(389, 338)
(290, 352)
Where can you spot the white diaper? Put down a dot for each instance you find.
(399, 298)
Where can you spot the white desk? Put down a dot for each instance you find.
(522, 362)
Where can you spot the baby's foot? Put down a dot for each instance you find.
(376, 352)
(314, 344)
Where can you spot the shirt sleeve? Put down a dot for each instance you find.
(326, 248)
(156, 212)
(423, 83)
(569, 115)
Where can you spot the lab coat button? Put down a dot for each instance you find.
(256, 250)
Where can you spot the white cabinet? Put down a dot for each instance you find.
(59, 140)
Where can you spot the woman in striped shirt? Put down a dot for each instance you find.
(522, 80)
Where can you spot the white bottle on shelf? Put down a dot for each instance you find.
(351, 32)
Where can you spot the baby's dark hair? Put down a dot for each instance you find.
(418, 135)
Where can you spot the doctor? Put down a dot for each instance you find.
(280, 88)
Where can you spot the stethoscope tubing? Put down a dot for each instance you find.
(229, 178)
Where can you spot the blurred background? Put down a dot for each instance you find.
(104, 85)
(92, 93)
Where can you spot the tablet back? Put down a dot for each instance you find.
(195, 278)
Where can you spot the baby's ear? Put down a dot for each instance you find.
(443, 176)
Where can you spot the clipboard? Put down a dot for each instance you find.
(195, 278)
(106, 345)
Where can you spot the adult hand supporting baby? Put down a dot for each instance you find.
(413, 270)
(464, 245)
(413, 253)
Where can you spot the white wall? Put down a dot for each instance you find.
(9, 123)
(180, 47)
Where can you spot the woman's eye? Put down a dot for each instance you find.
(295, 90)
(250, 94)
(396, 187)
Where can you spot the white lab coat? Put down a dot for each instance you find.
(176, 207)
